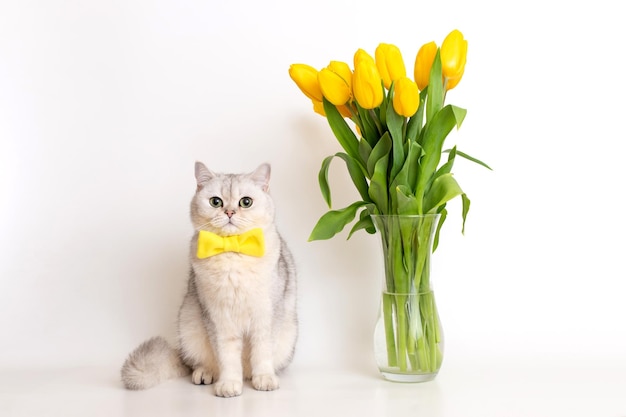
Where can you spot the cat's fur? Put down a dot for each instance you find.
(238, 318)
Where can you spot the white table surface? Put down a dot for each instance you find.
(465, 387)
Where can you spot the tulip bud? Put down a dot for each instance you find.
(366, 83)
(423, 62)
(389, 63)
(453, 56)
(343, 70)
(406, 97)
(333, 81)
(360, 54)
(305, 78)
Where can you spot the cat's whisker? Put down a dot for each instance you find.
(243, 222)
(202, 226)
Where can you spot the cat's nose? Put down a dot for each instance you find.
(230, 213)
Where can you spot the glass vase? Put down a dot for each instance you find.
(408, 339)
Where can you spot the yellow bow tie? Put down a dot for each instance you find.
(249, 243)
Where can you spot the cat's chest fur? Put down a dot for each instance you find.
(234, 283)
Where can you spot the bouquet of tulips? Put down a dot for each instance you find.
(393, 152)
(393, 149)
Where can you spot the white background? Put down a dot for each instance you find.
(105, 107)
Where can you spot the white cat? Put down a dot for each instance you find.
(238, 318)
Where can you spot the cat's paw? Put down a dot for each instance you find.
(228, 388)
(201, 376)
(265, 382)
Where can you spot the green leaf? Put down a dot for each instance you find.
(459, 115)
(435, 89)
(334, 221)
(433, 137)
(442, 219)
(447, 167)
(357, 174)
(345, 136)
(365, 150)
(415, 124)
(323, 180)
(466, 207)
(406, 176)
(444, 189)
(384, 104)
(395, 124)
(378, 191)
(381, 150)
(470, 158)
(394, 120)
(407, 203)
(368, 129)
(412, 164)
(365, 222)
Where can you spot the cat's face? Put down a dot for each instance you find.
(229, 204)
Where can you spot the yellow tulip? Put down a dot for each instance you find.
(360, 54)
(451, 83)
(343, 70)
(453, 56)
(305, 77)
(406, 97)
(423, 63)
(366, 83)
(333, 83)
(344, 111)
(318, 107)
(389, 63)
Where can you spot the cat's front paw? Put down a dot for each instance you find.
(201, 376)
(228, 388)
(265, 382)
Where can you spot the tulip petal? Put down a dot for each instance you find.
(389, 63)
(343, 70)
(423, 63)
(305, 77)
(366, 84)
(318, 107)
(453, 56)
(406, 97)
(333, 87)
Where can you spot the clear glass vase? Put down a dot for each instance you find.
(408, 339)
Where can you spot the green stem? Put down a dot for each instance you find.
(376, 121)
(429, 330)
(414, 324)
(411, 323)
(422, 353)
(431, 333)
(390, 336)
(402, 332)
(404, 127)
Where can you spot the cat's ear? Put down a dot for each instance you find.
(261, 176)
(203, 174)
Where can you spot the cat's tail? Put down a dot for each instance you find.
(153, 362)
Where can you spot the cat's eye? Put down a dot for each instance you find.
(216, 202)
(245, 202)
